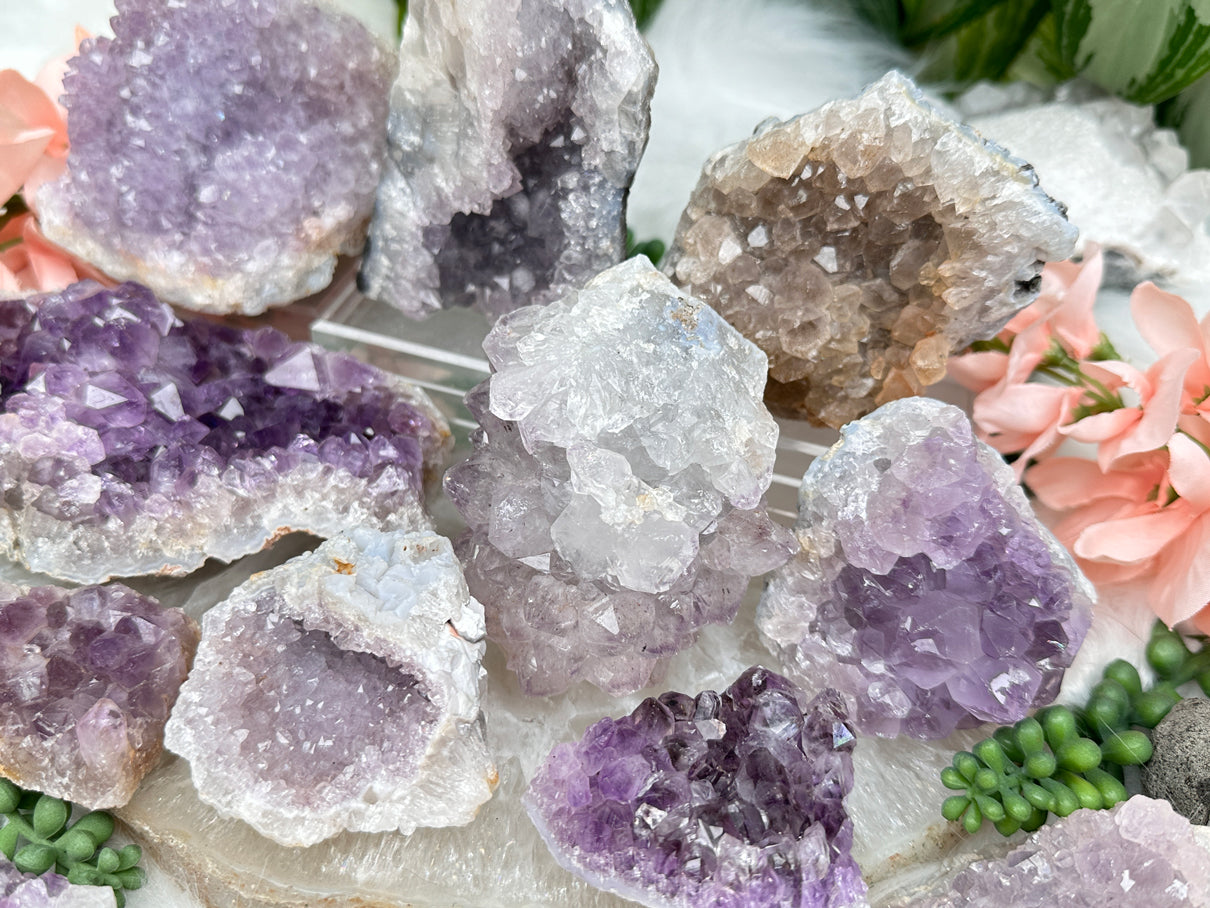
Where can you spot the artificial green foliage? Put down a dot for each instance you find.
(1060, 759)
(653, 249)
(38, 835)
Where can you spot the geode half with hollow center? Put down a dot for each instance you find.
(87, 678)
(720, 799)
(341, 691)
(132, 442)
(515, 130)
(615, 493)
(862, 244)
(926, 589)
(223, 152)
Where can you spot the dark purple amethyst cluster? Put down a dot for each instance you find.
(732, 799)
(87, 678)
(133, 442)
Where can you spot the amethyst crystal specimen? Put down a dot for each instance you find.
(614, 496)
(515, 131)
(223, 152)
(926, 589)
(733, 799)
(341, 691)
(862, 244)
(87, 678)
(1139, 853)
(134, 443)
(50, 890)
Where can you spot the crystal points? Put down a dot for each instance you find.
(87, 678)
(341, 691)
(514, 133)
(50, 890)
(925, 588)
(614, 495)
(132, 442)
(223, 152)
(720, 799)
(862, 244)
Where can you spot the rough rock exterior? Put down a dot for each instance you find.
(223, 152)
(1179, 768)
(87, 678)
(341, 691)
(860, 245)
(925, 590)
(615, 493)
(515, 129)
(50, 890)
(134, 443)
(733, 799)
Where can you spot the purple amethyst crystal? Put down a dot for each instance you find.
(50, 890)
(223, 152)
(132, 442)
(87, 678)
(722, 800)
(926, 589)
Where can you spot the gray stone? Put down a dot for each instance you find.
(1179, 768)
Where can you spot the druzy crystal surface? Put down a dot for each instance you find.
(515, 129)
(223, 152)
(87, 678)
(341, 691)
(615, 493)
(1138, 853)
(50, 890)
(925, 588)
(861, 244)
(720, 799)
(132, 442)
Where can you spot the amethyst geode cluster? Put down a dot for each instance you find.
(87, 678)
(926, 588)
(731, 799)
(132, 442)
(223, 152)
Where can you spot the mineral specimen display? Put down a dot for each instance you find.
(132, 442)
(860, 245)
(19, 890)
(615, 493)
(733, 799)
(223, 152)
(925, 589)
(341, 691)
(1179, 768)
(87, 678)
(514, 132)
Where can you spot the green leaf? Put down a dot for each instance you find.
(984, 48)
(50, 815)
(885, 15)
(8, 840)
(35, 858)
(644, 11)
(931, 20)
(1191, 116)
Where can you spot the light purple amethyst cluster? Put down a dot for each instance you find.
(925, 588)
(87, 678)
(732, 799)
(132, 442)
(50, 890)
(223, 152)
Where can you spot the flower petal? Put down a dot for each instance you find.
(1181, 585)
(1073, 322)
(1130, 539)
(1167, 378)
(1189, 471)
(1063, 483)
(977, 371)
(19, 155)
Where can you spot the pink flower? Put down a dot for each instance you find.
(30, 263)
(33, 132)
(1168, 324)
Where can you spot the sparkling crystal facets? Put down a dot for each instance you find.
(514, 132)
(132, 442)
(223, 152)
(341, 691)
(50, 890)
(615, 493)
(925, 588)
(720, 799)
(87, 678)
(860, 245)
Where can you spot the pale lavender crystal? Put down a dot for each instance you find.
(132, 442)
(50, 890)
(926, 589)
(1141, 852)
(223, 152)
(87, 678)
(515, 130)
(614, 495)
(732, 799)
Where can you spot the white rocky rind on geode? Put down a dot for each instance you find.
(515, 130)
(341, 691)
(861, 244)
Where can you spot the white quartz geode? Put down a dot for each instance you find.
(862, 244)
(341, 691)
(515, 130)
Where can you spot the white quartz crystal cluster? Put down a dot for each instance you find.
(341, 691)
